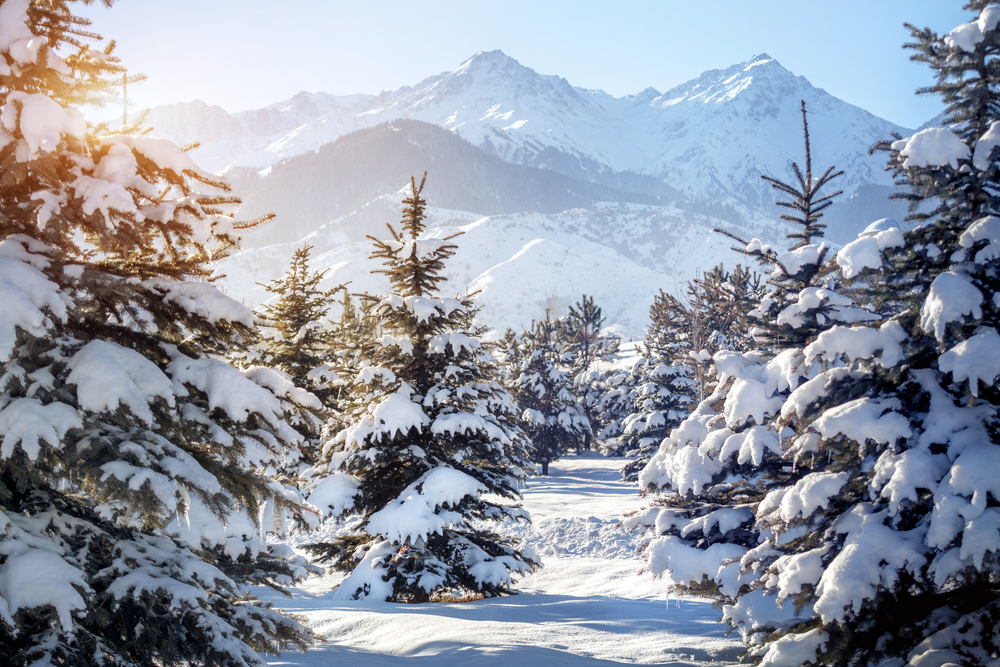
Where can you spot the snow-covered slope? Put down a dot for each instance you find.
(520, 263)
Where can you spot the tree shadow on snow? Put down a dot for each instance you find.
(691, 623)
(448, 653)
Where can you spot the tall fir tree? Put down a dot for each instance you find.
(727, 465)
(433, 432)
(712, 315)
(676, 373)
(660, 401)
(582, 343)
(300, 346)
(890, 543)
(134, 497)
(294, 357)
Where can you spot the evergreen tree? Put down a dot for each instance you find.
(432, 432)
(615, 404)
(726, 465)
(132, 459)
(676, 373)
(551, 415)
(582, 343)
(661, 400)
(724, 303)
(301, 346)
(713, 315)
(890, 543)
(295, 360)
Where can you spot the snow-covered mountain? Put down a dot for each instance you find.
(675, 164)
(712, 135)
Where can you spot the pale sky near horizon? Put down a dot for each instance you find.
(251, 53)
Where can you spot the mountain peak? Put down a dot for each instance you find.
(647, 95)
(763, 60)
(495, 58)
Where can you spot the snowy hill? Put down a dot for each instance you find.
(521, 262)
(309, 190)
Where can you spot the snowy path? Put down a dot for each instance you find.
(587, 606)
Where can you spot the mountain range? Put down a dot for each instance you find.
(644, 177)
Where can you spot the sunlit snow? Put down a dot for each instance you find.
(588, 605)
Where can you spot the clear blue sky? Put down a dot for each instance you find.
(249, 53)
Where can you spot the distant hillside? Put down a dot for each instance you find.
(309, 190)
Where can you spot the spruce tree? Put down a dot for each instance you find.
(432, 432)
(713, 314)
(661, 400)
(890, 543)
(728, 462)
(134, 498)
(294, 358)
(676, 373)
(616, 402)
(301, 345)
(550, 412)
(581, 343)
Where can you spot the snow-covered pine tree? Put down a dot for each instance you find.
(353, 330)
(582, 343)
(725, 300)
(294, 357)
(301, 345)
(132, 500)
(616, 401)
(891, 541)
(712, 315)
(661, 400)
(432, 433)
(550, 413)
(679, 344)
(719, 465)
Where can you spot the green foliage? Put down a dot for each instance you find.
(134, 463)
(581, 344)
(297, 318)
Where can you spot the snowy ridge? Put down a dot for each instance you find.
(719, 131)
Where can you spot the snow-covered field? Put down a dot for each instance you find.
(587, 606)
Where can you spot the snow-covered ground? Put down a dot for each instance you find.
(587, 606)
